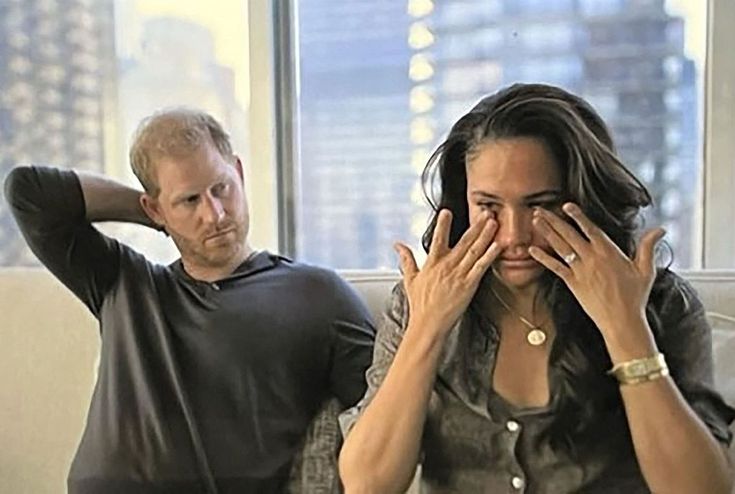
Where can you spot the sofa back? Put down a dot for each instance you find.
(715, 288)
(50, 346)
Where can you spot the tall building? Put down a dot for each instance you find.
(354, 132)
(57, 63)
(635, 62)
(381, 83)
(625, 56)
(71, 99)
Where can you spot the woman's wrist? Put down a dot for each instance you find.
(629, 339)
(425, 335)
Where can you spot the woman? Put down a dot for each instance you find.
(532, 351)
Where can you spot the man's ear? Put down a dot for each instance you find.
(238, 167)
(152, 208)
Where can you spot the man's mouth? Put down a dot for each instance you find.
(218, 234)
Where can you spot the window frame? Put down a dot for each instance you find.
(717, 235)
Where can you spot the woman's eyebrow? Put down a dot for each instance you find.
(544, 194)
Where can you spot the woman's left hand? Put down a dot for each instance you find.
(612, 288)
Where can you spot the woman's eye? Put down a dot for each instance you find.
(549, 205)
(488, 206)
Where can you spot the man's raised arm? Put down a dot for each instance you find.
(54, 209)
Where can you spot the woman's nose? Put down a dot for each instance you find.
(514, 228)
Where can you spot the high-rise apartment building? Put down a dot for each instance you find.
(57, 61)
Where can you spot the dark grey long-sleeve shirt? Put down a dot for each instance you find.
(475, 441)
(202, 387)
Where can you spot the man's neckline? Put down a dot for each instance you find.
(257, 260)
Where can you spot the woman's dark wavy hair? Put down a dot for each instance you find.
(594, 178)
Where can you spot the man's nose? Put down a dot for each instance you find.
(214, 212)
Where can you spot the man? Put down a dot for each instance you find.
(211, 368)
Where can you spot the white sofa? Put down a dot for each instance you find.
(49, 348)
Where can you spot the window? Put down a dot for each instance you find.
(375, 87)
(78, 75)
(461, 14)
(641, 63)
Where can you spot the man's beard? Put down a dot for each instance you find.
(215, 256)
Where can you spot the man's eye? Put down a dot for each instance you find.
(191, 199)
(219, 189)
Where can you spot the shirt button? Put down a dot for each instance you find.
(215, 286)
(512, 426)
(517, 483)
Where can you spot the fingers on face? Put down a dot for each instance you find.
(482, 264)
(479, 248)
(474, 231)
(475, 240)
(590, 230)
(440, 238)
(474, 252)
(562, 236)
(551, 263)
(555, 239)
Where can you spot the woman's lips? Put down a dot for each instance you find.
(525, 263)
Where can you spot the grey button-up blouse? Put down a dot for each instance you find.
(475, 441)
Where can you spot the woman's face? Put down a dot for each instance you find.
(510, 177)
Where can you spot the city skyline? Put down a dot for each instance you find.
(74, 95)
(379, 88)
(627, 58)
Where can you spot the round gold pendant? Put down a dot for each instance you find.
(536, 337)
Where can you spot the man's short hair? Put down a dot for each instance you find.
(173, 133)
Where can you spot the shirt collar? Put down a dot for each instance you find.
(258, 261)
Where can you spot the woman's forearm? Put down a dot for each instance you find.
(381, 452)
(674, 448)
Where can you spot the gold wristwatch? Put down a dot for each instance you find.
(640, 370)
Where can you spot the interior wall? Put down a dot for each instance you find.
(48, 351)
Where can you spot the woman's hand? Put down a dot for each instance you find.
(439, 293)
(612, 288)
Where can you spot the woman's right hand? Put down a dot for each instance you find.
(439, 293)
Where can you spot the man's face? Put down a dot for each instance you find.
(202, 205)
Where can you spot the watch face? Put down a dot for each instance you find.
(637, 369)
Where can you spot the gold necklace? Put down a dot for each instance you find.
(535, 336)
